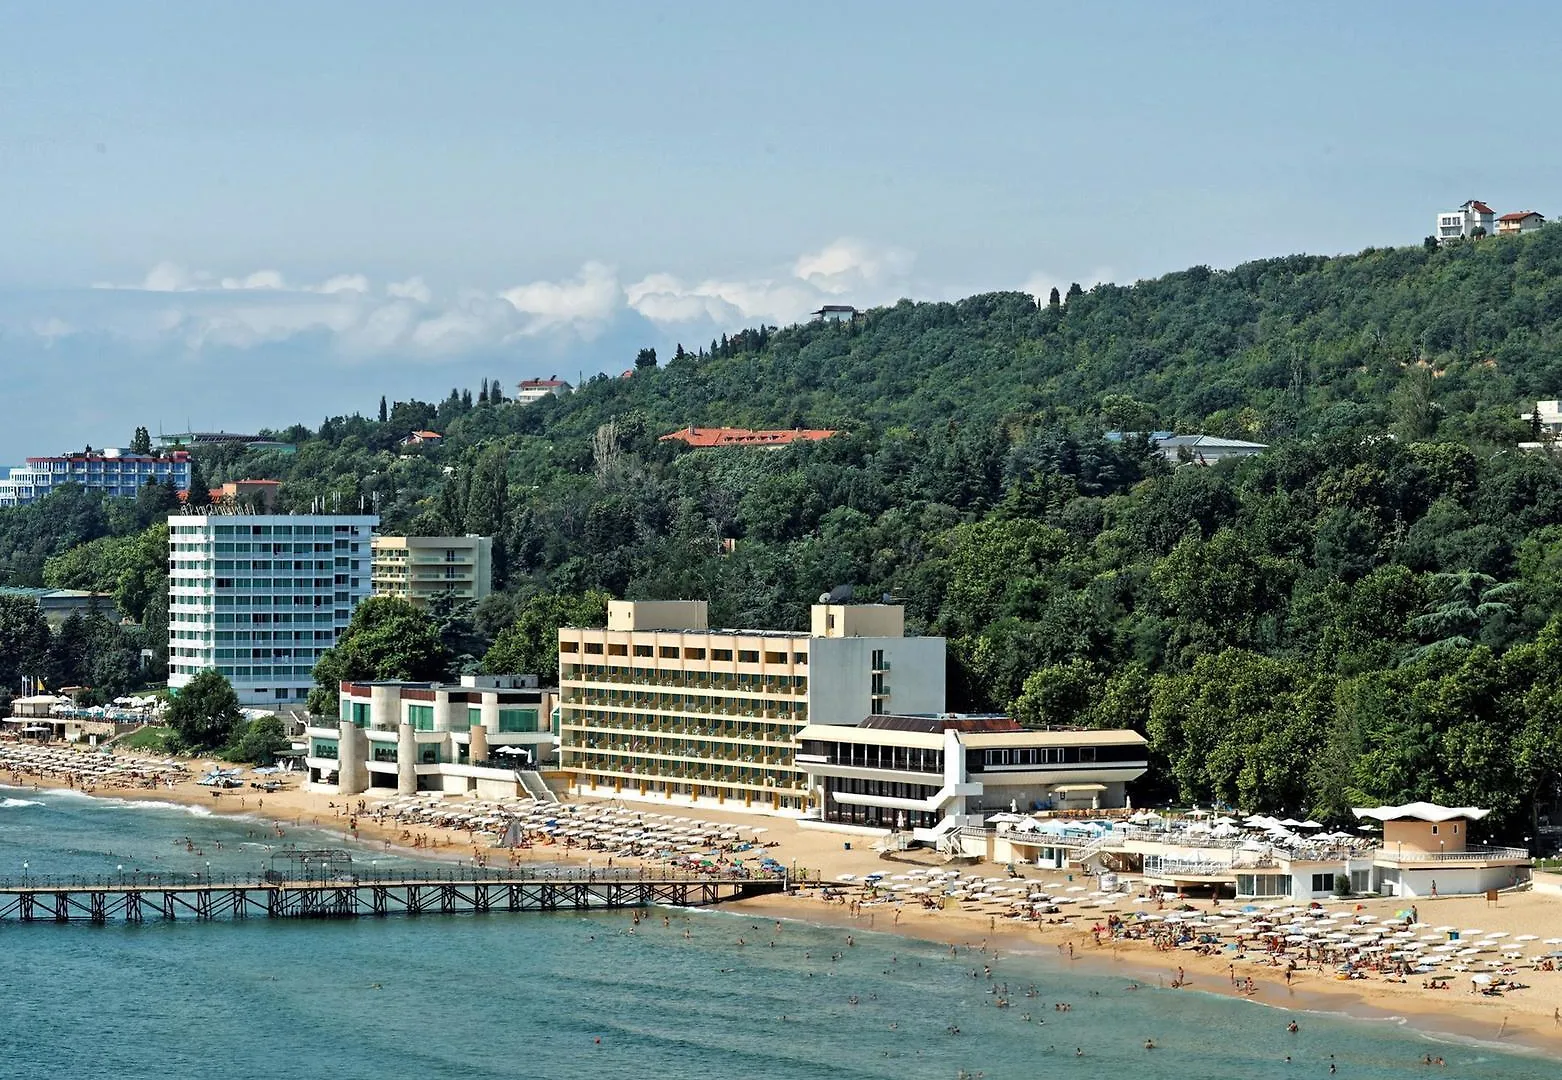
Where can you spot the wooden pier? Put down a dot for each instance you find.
(478, 892)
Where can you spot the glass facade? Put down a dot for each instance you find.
(524, 720)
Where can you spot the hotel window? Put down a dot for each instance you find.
(421, 717)
(721, 654)
(1323, 883)
(668, 652)
(748, 656)
(642, 650)
(359, 714)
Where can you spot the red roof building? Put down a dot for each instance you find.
(1523, 221)
(725, 436)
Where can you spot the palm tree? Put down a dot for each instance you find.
(1465, 602)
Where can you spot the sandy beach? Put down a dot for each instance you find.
(1520, 1018)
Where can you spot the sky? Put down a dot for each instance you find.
(233, 215)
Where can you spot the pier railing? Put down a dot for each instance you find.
(459, 875)
(345, 895)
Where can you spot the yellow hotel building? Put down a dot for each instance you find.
(659, 706)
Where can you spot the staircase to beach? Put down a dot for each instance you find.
(535, 786)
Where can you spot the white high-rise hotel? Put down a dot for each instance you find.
(259, 597)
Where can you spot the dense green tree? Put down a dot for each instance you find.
(24, 640)
(205, 712)
(259, 742)
(530, 645)
(141, 442)
(388, 638)
(199, 493)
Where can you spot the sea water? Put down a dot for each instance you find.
(586, 995)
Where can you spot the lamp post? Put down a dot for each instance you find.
(208, 874)
(24, 871)
(121, 870)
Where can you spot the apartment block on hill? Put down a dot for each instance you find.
(421, 568)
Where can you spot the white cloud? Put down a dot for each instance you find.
(198, 308)
(344, 283)
(411, 289)
(850, 265)
(591, 296)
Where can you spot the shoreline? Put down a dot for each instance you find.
(1500, 1025)
(1521, 1024)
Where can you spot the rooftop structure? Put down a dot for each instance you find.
(725, 436)
(938, 772)
(1205, 449)
(659, 706)
(260, 494)
(837, 313)
(530, 390)
(422, 438)
(477, 736)
(218, 438)
(421, 568)
(58, 605)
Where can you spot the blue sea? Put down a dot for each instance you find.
(565, 995)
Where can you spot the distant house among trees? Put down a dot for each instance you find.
(530, 390)
(837, 313)
(725, 436)
(1474, 219)
(1521, 222)
(423, 438)
(1193, 449)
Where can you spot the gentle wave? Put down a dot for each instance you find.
(9, 804)
(150, 804)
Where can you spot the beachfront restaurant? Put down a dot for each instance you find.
(1239, 865)
(1426, 851)
(486, 735)
(932, 774)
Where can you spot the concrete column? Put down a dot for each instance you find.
(448, 715)
(406, 761)
(384, 707)
(477, 750)
(352, 772)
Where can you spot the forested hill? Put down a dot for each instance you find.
(1365, 611)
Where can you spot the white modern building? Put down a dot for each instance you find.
(259, 597)
(1465, 221)
(660, 706)
(485, 735)
(530, 390)
(932, 774)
